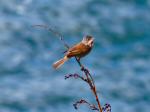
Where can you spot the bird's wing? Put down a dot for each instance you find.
(75, 50)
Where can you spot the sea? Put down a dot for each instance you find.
(119, 61)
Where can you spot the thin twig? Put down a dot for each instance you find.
(75, 76)
(54, 32)
(82, 101)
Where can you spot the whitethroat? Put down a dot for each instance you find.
(79, 50)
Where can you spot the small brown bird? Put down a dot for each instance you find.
(79, 50)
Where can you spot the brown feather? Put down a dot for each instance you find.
(79, 50)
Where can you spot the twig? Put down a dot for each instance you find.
(82, 101)
(54, 32)
(75, 76)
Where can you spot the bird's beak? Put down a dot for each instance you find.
(91, 42)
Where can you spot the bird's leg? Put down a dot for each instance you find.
(78, 60)
(82, 67)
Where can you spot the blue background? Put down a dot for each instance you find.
(119, 61)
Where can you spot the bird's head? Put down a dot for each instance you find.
(88, 40)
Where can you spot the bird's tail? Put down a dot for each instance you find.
(60, 62)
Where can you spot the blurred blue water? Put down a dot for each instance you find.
(120, 60)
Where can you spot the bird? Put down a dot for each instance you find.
(78, 50)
